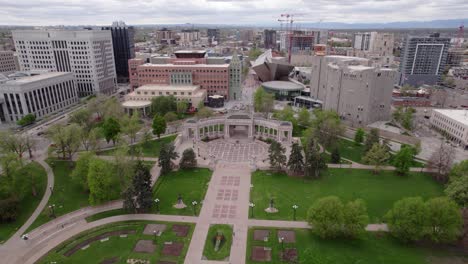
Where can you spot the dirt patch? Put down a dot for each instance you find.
(110, 260)
(261, 254)
(288, 235)
(259, 235)
(173, 249)
(288, 255)
(150, 228)
(144, 246)
(181, 230)
(96, 238)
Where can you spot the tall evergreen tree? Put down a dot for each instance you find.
(166, 155)
(314, 162)
(371, 139)
(276, 155)
(335, 156)
(188, 160)
(296, 159)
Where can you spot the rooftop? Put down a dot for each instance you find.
(186, 65)
(458, 115)
(283, 85)
(156, 87)
(36, 78)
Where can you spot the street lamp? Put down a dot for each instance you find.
(157, 204)
(294, 212)
(52, 212)
(282, 244)
(252, 205)
(194, 204)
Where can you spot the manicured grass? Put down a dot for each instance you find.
(105, 214)
(378, 191)
(121, 247)
(190, 183)
(373, 248)
(352, 151)
(29, 203)
(67, 195)
(225, 246)
(151, 149)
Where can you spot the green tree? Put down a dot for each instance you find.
(314, 162)
(263, 101)
(287, 114)
(335, 156)
(204, 112)
(66, 138)
(403, 160)
(326, 217)
(26, 120)
(459, 170)
(170, 117)
(444, 220)
(166, 155)
(113, 109)
(407, 120)
(182, 107)
(111, 129)
(457, 190)
(359, 136)
(131, 125)
(441, 161)
(372, 138)
(303, 117)
(376, 156)
(407, 219)
(82, 117)
(138, 196)
(296, 159)
(13, 143)
(326, 127)
(162, 104)
(102, 184)
(276, 155)
(159, 125)
(9, 209)
(355, 218)
(188, 160)
(80, 173)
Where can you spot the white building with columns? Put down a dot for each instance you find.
(40, 94)
(238, 126)
(453, 123)
(88, 54)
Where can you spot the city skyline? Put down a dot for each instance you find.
(102, 12)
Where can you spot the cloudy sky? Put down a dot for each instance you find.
(101, 12)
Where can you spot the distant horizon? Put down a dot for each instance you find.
(427, 24)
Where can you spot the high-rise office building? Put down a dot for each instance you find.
(376, 46)
(88, 54)
(423, 59)
(360, 93)
(165, 36)
(188, 37)
(7, 62)
(302, 42)
(213, 35)
(269, 37)
(124, 48)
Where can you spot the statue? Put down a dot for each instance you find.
(272, 203)
(271, 208)
(179, 199)
(180, 204)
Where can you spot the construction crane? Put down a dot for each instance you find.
(460, 36)
(288, 19)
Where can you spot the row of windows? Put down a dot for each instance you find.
(181, 70)
(161, 93)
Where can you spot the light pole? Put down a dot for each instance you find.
(52, 211)
(194, 204)
(157, 204)
(155, 233)
(252, 205)
(294, 211)
(51, 189)
(282, 244)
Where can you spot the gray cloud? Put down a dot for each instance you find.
(69, 12)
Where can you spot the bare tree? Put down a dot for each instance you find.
(441, 161)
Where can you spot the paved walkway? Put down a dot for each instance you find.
(226, 202)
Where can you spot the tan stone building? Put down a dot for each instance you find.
(360, 93)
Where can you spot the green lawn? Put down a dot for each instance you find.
(191, 184)
(225, 246)
(350, 150)
(121, 247)
(379, 191)
(373, 248)
(149, 150)
(29, 203)
(67, 195)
